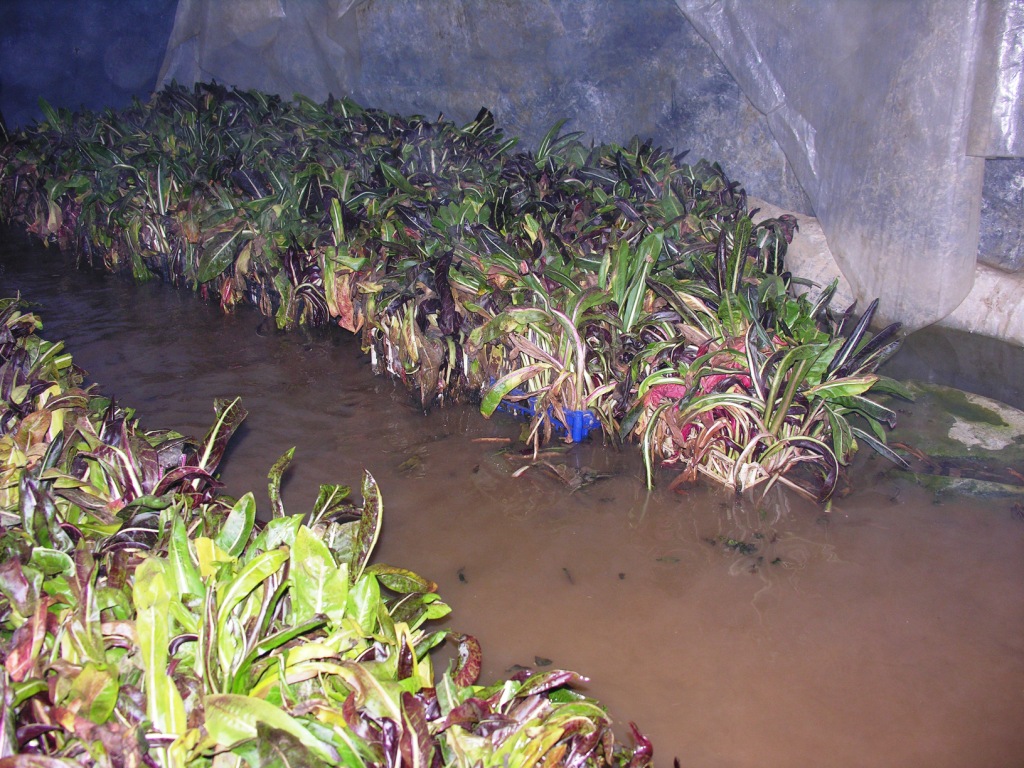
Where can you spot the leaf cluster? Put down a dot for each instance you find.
(615, 279)
(148, 619)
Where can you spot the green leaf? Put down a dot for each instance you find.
(512, 319)
(397, 180)
(96, 688)
(401, 580)
(231, 719)
(49, 113)
(329, 500)
(845, 387)
(250, 576)
(869, 409)
(364, 602)
(237, 528)
(51, 561)
(503, 386)
(632, 301)
(380, 698)
(369, 526)
(738, 259)
(730, 313)
(843, 443)
(418, 607)
(337, 221)
(274, 486)
(152, 599)
(217, 255)
(270, 643)
(281, 531)
(318, 584)
(184, 570)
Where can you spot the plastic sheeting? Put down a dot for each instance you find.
(270, 45)
(884, 110)
(997, 118)
(871, 102)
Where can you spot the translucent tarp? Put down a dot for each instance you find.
(884, 109)
(997, 116)
(871, 102)
(270, 45)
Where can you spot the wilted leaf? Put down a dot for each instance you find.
(274, 481)
(96, 688)
(470, 659)
(415, 743)
(275, 748)
(26, 643)
(19, 586)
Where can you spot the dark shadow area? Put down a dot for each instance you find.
(87, 53)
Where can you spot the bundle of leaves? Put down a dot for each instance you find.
(566, 276)
(147, 619)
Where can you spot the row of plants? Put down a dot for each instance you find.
(616, 280)
(147, 619)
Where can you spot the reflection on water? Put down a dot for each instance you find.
(889, 631)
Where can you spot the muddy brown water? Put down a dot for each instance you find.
(886, 632)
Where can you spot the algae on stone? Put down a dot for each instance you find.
(960, 442)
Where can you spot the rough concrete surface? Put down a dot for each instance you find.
(1002, 214)
(992, 308)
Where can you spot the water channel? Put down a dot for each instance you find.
(888, 631)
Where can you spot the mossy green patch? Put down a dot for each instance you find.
(961, 442)
(956, 402)
(943, 485)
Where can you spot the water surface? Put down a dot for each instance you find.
(888, 631)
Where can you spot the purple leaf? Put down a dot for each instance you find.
(470, 659)
(415, 743)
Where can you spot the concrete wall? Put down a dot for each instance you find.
(1002, 215)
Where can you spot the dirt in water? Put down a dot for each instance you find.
(889, 631)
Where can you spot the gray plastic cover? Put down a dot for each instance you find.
(269, 45)
(885, 110)
(871, 101)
